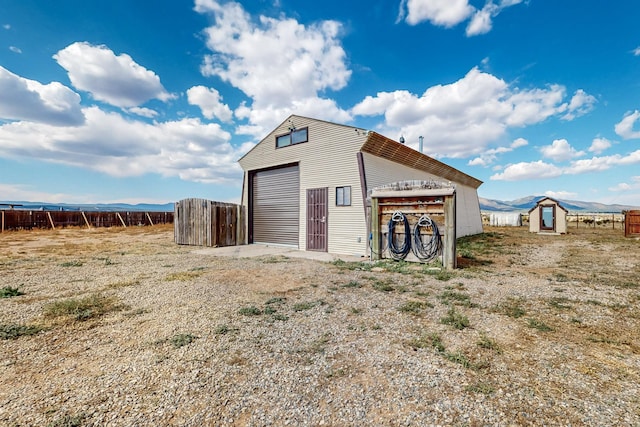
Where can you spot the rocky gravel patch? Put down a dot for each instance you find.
(191, 338)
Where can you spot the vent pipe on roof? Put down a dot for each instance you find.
(401, 139)
(421, 141)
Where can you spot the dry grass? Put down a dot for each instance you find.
(553, 318)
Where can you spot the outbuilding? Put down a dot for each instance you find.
(548, 216)
(306, 183)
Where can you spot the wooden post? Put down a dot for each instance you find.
(375, 230)
(51, 220)
(2, 222)
(86, 221)
(449, 247)
(121, 220)
(149, 218)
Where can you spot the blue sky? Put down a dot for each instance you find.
(134, 101)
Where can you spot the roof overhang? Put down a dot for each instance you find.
(381, 146)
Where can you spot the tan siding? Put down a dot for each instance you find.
(328, 159)
(381, 171)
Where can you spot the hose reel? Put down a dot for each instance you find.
(423, 250)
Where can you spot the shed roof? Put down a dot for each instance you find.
(381, 146)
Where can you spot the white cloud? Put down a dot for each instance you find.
(625, 127)
(598, 164)
(519, 142)
(210, 102)
(581, 103)
(144, 112)
(560, 194)
(625, 186)
(490, 156)
(6, 26)
(527, 170)
(281, 64)
(481, 22)
(540, 169)
(111, 144)
(636, 51)
(15, 49)
(460, 119)
(115, 79)
(446, 13)
(24, 99)
(560, 150)
(598, 145)
(449, 13)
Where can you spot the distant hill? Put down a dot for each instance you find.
(526, 203)
(98, 207)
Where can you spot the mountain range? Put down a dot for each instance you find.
(98, 207)
(526, 203)
(519, 205)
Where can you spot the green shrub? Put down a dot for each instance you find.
(250, 311)
(537, 324)
(8, 292)
(181, 340)
(83, 308)
(12, 331)
(414, 307)
(455, 319)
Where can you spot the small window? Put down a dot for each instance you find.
(343, 196)
(296, 136)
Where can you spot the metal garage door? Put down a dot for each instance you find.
(276, 206)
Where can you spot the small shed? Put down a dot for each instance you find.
(548, 216)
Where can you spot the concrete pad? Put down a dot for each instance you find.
(261, 250)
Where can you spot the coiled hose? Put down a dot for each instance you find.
(426, 251)
(399, 252)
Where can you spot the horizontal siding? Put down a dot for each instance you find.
(328, 159)
(381, 171)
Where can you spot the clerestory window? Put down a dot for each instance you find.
(295, 136)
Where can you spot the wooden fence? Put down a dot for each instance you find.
(28, 220)
(200, 222)
(632, 224)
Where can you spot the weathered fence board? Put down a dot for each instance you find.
(201, 222)
(632, 224)
(28, 220)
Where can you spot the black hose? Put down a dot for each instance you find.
(426, 251)
(399, 252)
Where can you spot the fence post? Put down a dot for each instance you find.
(121, 220)
(2, 222)
(86, 221)
(149, 217)
(51, 220)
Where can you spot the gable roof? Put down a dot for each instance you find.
(386, 148)
(539, 202)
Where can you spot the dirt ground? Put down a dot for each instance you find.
(530, 329)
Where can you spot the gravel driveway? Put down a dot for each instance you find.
(531, 330)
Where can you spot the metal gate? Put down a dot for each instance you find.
(275, 206)
(317, 225)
